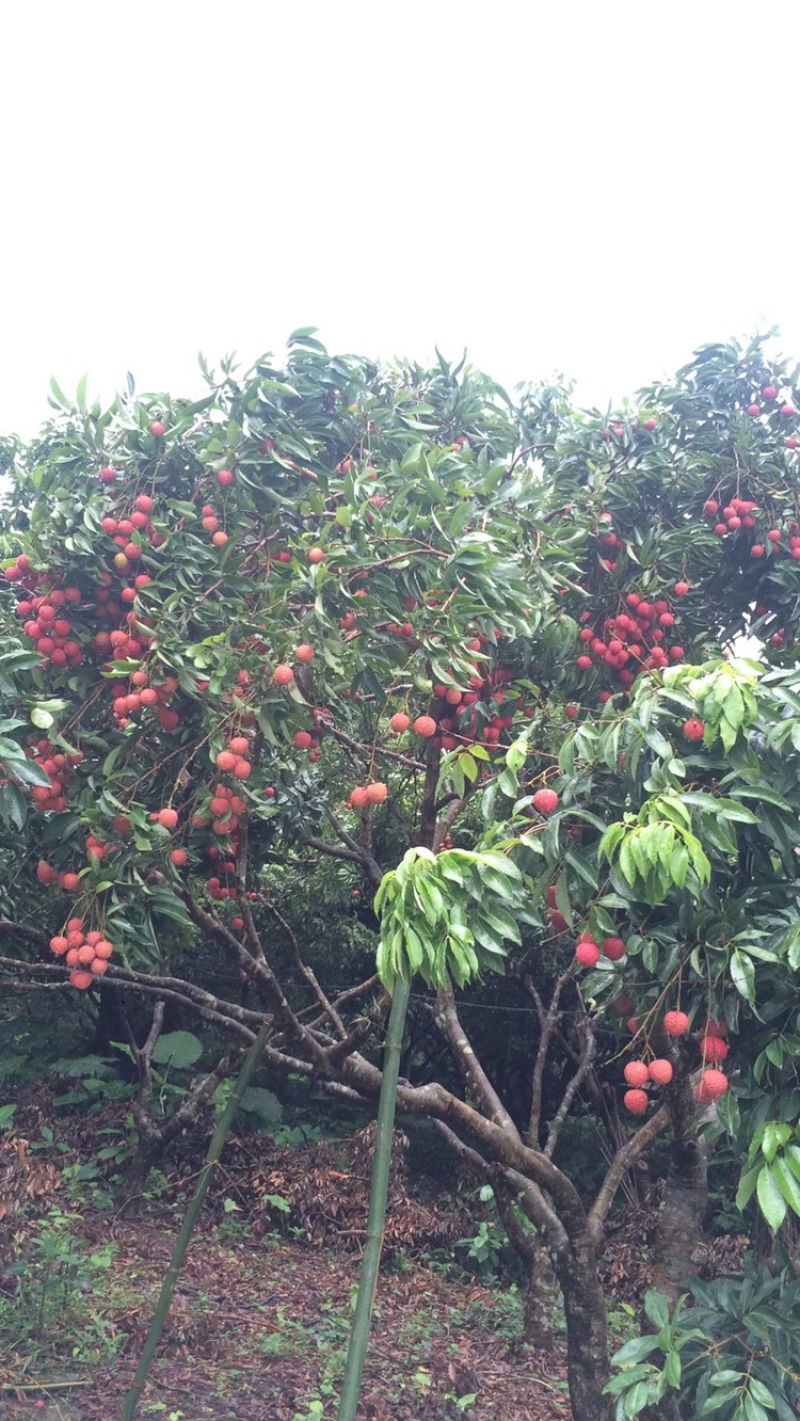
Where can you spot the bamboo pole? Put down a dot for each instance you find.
(379, 1188)
(215, 1149)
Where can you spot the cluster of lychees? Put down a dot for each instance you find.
(130, 531)
(364, 796)
(140, 695)
(58, 765)
(587, 951)
(742, 513)
(769, 394)
(87, 954)
(463, 717)
(632, 640)
(711, 1084)
(43, 615)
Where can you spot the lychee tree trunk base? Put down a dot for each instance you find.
(587, 1336)
(541, 1297)
(679, 1230)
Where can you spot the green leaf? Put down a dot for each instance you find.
(747, 1186)
(638, 1396)
(627, 862)
(743, 976)
(659, 744)
(566, 756)
(468, 767)
(58, 395)
(761, 1393)
(735, 812)
(634, 1351)
(763, 793)
(656, 1309)
(414, 948)
(610, 841)
(501, 921)
(788, 1185)
(753, 1409)
(20, 767)
(517, 754)
(169, 905)
(672, 1369)
(111, 759)
(563, 903)
(774, 1134)
(791, 1157)
(726, 1377)
(486, 936)
(770, 1199)
(432, 901)
(177, 1049)
(259, 1101)
(13, 806)
(679, 865)
(698, 857)
(501, 863)
(718, 1399)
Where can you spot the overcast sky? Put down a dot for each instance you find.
(594, 188)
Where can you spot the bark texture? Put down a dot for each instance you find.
(587, 1336)
(679, 1231)
(541, 1295)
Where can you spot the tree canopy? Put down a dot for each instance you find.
(484, 652)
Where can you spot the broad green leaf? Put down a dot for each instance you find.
(468, 768)
(774, 1134)
(747, 1186)
(501, 863)
(414, 948)
(656, 1309)
(771, 1201)
(743, 976)
(501, 921)
(788, 1185)
(177, 1049)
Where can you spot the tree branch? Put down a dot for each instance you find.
(307, 972)
(469, 1067)
(547, 1024)
(623, 1160)
(260, 972)
(251, 935)
(588, 1047)
(446, 821)
(367, 752)
(437, 1103)
(35, 935)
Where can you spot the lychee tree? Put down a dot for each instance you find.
(336, 611)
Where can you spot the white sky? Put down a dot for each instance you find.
(594, 187)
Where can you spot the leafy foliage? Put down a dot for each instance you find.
(732, 1352)
(447, 915)
(480, 653)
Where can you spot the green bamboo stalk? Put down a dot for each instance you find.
(215, 1149)
(379, 1188)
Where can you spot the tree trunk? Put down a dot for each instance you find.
(683, 1209)
(679, 1231)
(110, 1027)
(587, 1338)
(149, 1152)
(541, 1294)
(541, 1289)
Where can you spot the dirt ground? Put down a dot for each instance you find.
(258, 1332)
